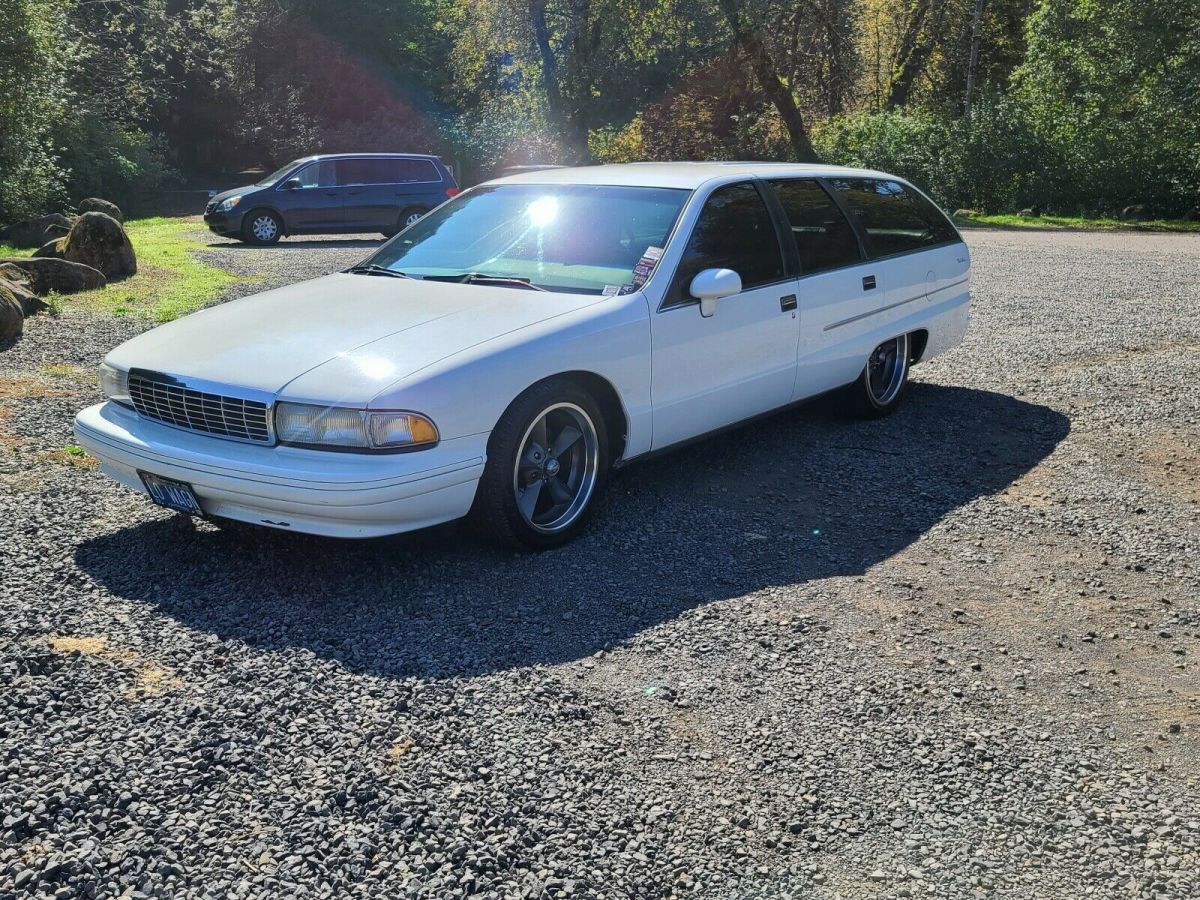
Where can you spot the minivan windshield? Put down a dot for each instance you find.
(589, 239)
(278, 173)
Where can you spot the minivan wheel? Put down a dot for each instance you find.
(878, 390)
(547, 465)
(411, 216)
(261, 226)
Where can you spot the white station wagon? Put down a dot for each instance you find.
(496, 358)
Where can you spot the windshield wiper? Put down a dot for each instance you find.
(375, 269)
(484, 278)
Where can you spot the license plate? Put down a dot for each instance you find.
(174, 495)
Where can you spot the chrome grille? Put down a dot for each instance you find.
(163, 398)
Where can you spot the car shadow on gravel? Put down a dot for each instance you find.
(796, 498)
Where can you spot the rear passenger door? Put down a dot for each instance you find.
(370, 196)
(835, 288)
(909, 240)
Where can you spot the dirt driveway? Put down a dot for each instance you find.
(949, 654)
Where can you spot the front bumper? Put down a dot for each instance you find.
(317, 492)
(227, 224)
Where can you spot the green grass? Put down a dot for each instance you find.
(1076, 223)
(171, 280)
(6, 250)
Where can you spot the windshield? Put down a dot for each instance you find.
(592, 239)
(278, 173)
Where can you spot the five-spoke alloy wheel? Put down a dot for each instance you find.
(555, 470)
(547, 463)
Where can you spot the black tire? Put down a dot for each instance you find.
(879, 389)
(255, 230)
(496, 515)
(407, 218)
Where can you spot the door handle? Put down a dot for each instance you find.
(868, 282)
(787, 303)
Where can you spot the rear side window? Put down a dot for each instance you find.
(386, 171)
(734, 231)
(824, 238)
(895, 218)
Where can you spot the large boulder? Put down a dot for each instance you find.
(58, 275)
(52, 249)
(99, 241)
(12, 319)
(17, 284)
(95, 204)
(34, 232)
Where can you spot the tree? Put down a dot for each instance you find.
(768, 78)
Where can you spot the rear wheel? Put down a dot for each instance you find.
(410, 216)
(261, 226)
(547, 464)
(879, 388)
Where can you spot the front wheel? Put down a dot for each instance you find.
(547, 464)
(878, 390)
(262, 227)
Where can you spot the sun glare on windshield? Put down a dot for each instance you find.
(543, 211)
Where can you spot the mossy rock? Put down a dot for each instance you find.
(99, 241)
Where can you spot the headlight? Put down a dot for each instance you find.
(114, 383)
(228, 203)
(352, 429)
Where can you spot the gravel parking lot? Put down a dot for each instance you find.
(948, 654)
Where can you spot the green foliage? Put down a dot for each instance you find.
(32, 101)
(995, 162)
(1079, 106)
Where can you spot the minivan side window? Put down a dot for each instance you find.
(415, 170)
(318, 174)
(385, 171)
(823, 236)
(895, 219)
(734, 231)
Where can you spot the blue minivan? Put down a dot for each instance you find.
(341, 193)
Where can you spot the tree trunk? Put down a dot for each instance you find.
(910, 56)
(973, 60)
(559, 114)
(768, 77)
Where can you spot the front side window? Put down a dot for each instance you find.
(894, 218)
(577, 238)
(277, 174)
(824, 238)
(734, 231)
(318, 174)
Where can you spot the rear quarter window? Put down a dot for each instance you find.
(896, 219)
(386, 171)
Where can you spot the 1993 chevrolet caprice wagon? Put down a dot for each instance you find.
(497, 357)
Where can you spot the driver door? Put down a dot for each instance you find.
(741, 361)
(317, 202)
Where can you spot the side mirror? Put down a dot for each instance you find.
(291, 184)
(711, 285)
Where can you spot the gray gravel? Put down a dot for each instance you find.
(949, 654)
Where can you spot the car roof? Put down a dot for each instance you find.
(688, 175)
(319, 156)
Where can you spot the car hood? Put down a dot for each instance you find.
(341, 338)
(234, 192)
